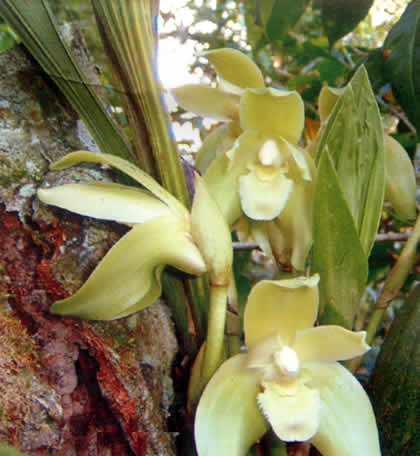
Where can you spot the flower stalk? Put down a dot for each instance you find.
(395, 280)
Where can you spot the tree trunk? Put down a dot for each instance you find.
(67, 387)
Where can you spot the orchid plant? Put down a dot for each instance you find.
(262, 182)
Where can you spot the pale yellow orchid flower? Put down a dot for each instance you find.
(400, 178)
(162, 233)
(236, 73)
(267, 177)
(253, 166)
(289, 379)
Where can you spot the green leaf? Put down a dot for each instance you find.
(270, 20)
(284, 15)
(340, 17)
(402, 65)
(33, 22)
(337, 254)
(354, 138)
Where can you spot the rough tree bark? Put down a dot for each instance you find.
(67, 387)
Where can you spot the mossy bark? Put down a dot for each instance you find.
(67, 387)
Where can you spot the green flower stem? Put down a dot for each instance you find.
(395, 280)
(392, 286)
(213, 355)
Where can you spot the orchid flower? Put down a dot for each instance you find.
(266, 177)
(400, 178)
(289, 379)
(236, 73)
(253, 166)
(162, 233)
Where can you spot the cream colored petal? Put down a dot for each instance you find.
(273, 113)
(219, 141)
(347, 425)
(328, 97)
(292, 417)
(211, 234)
(290, 234)
(329, 343)
(303, 164)
(106, 201)
(128, 168)
(222, 176)
(262, 354)
(245, 151)
(280, 306)
(127, 276)
(400, 180)
(228, 421)
(235, 67)
(207, 101)
(264, 199)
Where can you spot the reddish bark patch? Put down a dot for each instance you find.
(72, 360)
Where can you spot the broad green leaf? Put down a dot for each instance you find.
(354, 138)
(340, 17)
(337, 253)
(33, 22)
(402, 65)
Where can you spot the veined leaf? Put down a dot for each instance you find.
(34, 23)
(126, 28)
(337, 254)
(354, 138)
(402, 65)
(341, 16)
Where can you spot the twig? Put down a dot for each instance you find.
(400, 115)
(382, 237)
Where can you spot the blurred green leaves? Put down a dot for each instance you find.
(402, 63)
(340, 17)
